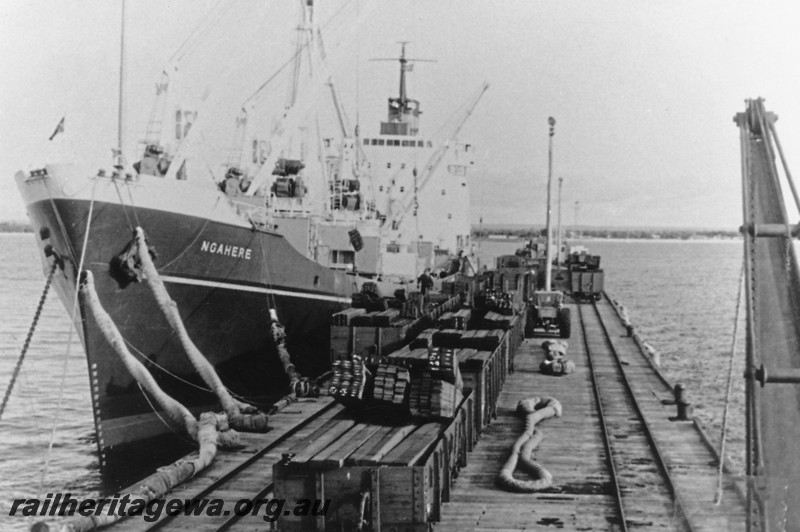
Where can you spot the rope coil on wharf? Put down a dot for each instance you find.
(535, 410)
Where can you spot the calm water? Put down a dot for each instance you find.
(28, 420)
(680, 295)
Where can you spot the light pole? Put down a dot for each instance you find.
(558, 240)
(549, 255)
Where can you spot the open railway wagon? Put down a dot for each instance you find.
(586, 279)
(388, 459)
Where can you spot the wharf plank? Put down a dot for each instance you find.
(581, 497)
(202, 486)
(573, 449)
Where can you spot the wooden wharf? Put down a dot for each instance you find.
(618, 461)
(602, 453)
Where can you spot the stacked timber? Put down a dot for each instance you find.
(458, 319)
(432, 397)
(424, 382)
(344, 317)
(376, 332)
(446, 338)
(496, 300)
(408, 468)
(348, 381)
(391, 384)
(496, 320)
(423, 339)
(481, 339)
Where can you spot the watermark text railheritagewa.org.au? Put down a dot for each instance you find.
(64, 505)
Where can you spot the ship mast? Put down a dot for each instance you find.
(548, 269)
(403, 68)
(120, 156)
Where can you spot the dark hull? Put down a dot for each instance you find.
(223, 296)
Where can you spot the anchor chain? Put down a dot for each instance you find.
(28, 338)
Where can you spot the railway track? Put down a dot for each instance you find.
(249, 480)
(640, 479)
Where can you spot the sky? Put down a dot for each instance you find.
(643, 93)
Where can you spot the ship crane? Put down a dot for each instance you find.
(772, 300)
(409, 199)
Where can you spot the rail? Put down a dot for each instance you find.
(168, 518)
(621, 378)
(603, 426)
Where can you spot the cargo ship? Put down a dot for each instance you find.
(280, 238)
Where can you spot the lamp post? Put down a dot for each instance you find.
(549, 255)
(558, 240)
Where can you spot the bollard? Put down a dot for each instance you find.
(685, 410)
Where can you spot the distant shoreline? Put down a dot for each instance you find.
(612, 234)
(15, 227)
(527, 234)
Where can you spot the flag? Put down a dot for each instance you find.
(59, 128)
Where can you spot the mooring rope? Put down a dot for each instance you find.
(27, 343)
(71, 326)
(535, 409)
(210, 431)
(241, 415)
(718, 497)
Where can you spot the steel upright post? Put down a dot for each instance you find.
(549, 255)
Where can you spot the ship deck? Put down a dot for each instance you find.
(618, 461)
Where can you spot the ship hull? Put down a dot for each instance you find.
(224, 278)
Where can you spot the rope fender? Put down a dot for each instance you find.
(535, 409)
(211, 432)
(241, 416)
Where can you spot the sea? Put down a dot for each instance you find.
(680, 295)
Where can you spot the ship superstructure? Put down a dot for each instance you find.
(290, 227)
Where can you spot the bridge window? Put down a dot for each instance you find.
(420, 143)
(366, 142)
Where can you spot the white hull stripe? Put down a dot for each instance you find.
(256, 289)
